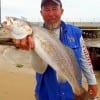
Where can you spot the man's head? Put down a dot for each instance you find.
(51, 11)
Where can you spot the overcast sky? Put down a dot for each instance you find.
(74, 10)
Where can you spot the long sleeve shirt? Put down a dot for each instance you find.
(87, 66)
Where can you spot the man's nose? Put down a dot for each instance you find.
(51, 13)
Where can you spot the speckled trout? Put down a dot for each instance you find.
(50, 50)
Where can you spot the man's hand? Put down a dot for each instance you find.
(26, 43)
(92, 90)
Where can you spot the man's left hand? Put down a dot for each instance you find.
(92, 90)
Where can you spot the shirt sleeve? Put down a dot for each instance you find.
(87, 66)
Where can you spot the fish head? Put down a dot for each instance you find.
(18, 28)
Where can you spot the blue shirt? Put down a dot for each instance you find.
(47, 86)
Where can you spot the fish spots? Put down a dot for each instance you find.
(46, 45)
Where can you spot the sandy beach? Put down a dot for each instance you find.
(16, 85)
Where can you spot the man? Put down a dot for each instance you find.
(47, 87)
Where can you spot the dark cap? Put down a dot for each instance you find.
(58, 2)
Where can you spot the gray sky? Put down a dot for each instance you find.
(74, 10)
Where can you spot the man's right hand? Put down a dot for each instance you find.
(25, 43)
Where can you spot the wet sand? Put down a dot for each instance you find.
(19, 85)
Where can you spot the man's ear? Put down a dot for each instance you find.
(41, 12)
(62, 10)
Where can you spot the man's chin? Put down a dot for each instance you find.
(53, 25)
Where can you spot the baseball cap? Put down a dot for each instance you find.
(58, 2)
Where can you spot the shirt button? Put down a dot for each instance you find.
(63, 93)
(75, 46)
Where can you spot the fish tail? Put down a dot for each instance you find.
(83, 96)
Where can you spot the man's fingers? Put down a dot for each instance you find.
(16, 42)
(25, 44)
(30, 42)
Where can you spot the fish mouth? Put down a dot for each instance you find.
(5, 26)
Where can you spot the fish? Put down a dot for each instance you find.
(51, 51)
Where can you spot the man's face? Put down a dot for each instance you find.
(51, 13)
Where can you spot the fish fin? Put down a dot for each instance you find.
(83, 96)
